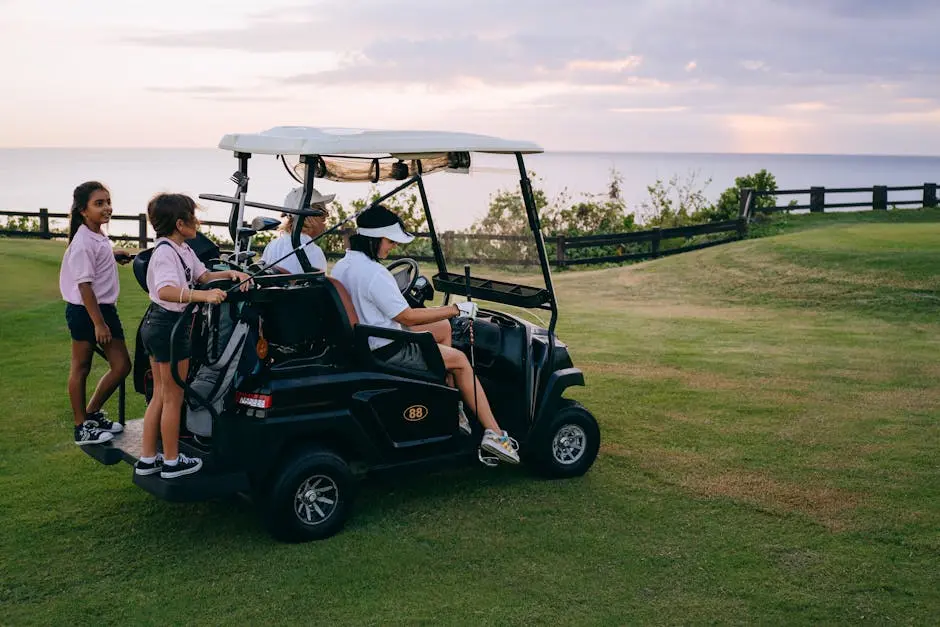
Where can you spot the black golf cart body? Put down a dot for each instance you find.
(314, 409)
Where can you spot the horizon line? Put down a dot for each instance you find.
(547, 151)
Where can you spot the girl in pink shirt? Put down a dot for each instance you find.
(88, 281)
(173, 271)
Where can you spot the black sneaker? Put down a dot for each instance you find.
(184, 466)
(89, 433)
(143, 468)
(101, 421)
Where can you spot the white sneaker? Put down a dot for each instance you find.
(462, 421)
(501, 446)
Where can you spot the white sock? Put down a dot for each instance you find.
(170, 462)
(148, 460)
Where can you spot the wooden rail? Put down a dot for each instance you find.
(626, 246)
(817, 198)
(45, 232)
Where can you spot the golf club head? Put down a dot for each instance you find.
(239, 178)
(262, 223)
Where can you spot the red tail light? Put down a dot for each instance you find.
(256, 401)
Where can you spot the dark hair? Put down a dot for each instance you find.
(369, 246)
(164, 210)
(80, 198)
(374, 216)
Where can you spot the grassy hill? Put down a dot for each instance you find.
(770, 420)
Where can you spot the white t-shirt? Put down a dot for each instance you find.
(373, 291)
(280, 246)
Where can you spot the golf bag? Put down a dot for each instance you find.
(213, 380)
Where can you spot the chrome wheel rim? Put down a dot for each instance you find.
(569, 444)
(316, 500)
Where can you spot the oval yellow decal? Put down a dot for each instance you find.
(415, 413)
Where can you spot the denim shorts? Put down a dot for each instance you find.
(155, 333)
(82, 328)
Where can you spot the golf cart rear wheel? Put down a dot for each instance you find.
(310, 497)
(567, 444)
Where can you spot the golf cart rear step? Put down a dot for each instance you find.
(124, 446)
(203, 485)
(198, 487)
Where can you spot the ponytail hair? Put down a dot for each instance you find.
(80, 198)
(369, 246)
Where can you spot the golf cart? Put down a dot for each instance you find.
(286, 402)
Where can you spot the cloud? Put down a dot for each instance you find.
(674, 109)
(615, 65)
(768, 67)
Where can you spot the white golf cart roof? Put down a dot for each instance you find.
(307, 140)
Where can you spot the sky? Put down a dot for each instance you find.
(794, 76)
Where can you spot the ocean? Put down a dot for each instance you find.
(31, 178)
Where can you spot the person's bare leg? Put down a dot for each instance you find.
(82, 354)
(459, 366)
(172, 406)
(154, 410)
(440, 330)
(442, 333)
(120, 366)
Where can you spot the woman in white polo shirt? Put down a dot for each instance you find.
(313, 226)
(378, 302)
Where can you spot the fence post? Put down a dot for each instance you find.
(560, 251)
(879, 197)
(657, 239)
(44, 224)
(742, 228)
(817, 199)
(142, 231)
(930, 194)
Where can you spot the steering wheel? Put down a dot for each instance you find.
(407, 278)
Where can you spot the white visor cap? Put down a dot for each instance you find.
(393, 232)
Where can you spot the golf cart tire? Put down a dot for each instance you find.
(310, 497)
(567, 444)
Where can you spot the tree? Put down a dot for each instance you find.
(728, 204)
(676, 202)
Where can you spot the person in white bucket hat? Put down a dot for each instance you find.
(313, 226)
(378, 302)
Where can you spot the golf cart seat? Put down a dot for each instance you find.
(434, 371)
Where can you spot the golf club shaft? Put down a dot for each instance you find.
(296, 250)
(473, 361)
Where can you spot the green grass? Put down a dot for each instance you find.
(770, 420)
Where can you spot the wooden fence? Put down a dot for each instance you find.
(618, 246)
(817, 198)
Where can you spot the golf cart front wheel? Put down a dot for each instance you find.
(567, 445)
(310, 497)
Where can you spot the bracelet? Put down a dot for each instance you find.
(179, 298)
(190, 295)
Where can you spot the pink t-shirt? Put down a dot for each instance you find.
(89, 258)
(165, 269)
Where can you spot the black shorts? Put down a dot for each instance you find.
(404, 355)
(82, 328)
(155, 332)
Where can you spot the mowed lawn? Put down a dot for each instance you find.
(771, 454)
